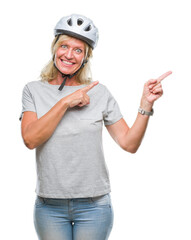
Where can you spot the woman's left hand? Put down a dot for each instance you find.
(152, 91)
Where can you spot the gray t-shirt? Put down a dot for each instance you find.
(71, 163)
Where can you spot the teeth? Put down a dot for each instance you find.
(69, 63)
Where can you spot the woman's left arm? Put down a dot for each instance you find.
(130, 139)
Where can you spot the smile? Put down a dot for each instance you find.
(66, 62)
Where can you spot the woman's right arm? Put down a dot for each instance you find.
(36, 131)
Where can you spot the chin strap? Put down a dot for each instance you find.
(65, 76)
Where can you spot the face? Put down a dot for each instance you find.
(70, 55)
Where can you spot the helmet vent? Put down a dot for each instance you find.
(69, 22)
(80, 21)
(88, 28)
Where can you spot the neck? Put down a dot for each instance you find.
(69, 82)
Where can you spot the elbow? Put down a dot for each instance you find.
(31, 147)
(28, 143)
(131, 149)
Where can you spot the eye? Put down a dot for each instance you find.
(64, 46)
(78, 50)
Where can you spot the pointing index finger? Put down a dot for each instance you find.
(163, 76)
(90, 86)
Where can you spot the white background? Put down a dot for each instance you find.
(138, 40)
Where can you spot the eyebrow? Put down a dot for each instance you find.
(77, 46)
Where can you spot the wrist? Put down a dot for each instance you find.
(65, 103)
(146, 106)
(144, 112)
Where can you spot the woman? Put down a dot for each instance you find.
(62, 118)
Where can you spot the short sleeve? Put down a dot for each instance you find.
(112, 111)
(27, 101)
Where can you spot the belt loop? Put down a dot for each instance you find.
(43, 199)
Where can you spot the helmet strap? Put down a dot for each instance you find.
(65, 76)
(57, 38)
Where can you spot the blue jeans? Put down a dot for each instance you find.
(73, 219)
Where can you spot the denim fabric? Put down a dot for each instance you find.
(73, 219)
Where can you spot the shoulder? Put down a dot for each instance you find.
(32, 86)
(101, 88)
(105, 90)
(108, 94)
(98, 91)
(36, 83)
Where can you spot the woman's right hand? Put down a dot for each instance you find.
(80, 97)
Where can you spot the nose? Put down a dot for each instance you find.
(69, 54)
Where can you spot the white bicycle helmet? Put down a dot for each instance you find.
(79, 27)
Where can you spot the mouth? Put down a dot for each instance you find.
(67, 62)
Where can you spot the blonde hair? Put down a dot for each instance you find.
(49, 72)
